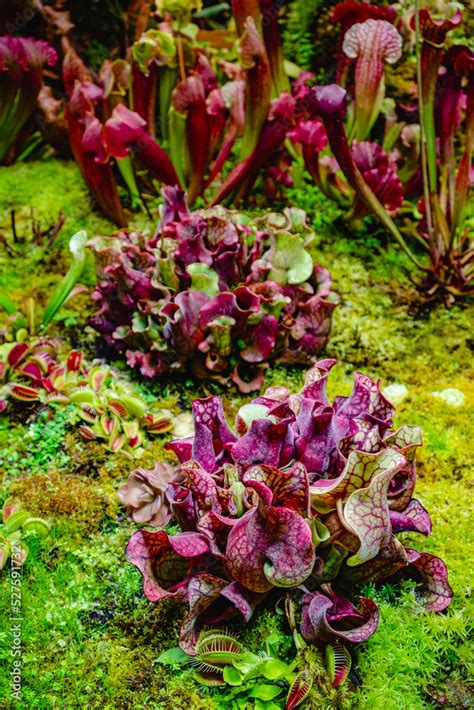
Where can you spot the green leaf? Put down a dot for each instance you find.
(16, 521)
(203, 279)
(7, 304)
(232, 676)
(77, 247)
(4, 552)
(319, 531)
(266, 705)
(249, 663)
(177, 139)
(10, 506)
(265, 692)
(173, 657)
(275, 669)
(165, 268)
(291, 263)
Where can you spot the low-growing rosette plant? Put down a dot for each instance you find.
(213, 293)
(303, 497)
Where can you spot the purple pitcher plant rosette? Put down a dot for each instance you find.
(303, 495)
(213, 293)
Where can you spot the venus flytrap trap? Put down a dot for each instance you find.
(17, 526)
(261, 679)
(107, 407)
(37, 370)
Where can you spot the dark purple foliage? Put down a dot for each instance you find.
(212, 295)
(305, 494)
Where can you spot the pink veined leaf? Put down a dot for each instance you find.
(244, 600)
(211, 432)
(289, 487)
(165, 562)
(203, 590)
(349, 13)
(269, 546)
(359, 471)
(414, 518)
(366, 510)
(371, 43)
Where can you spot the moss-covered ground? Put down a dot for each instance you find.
(89, 638)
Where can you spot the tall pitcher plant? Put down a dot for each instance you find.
(371, 177)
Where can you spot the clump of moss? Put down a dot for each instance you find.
(182, 693)
(34, 447)
(67, 497)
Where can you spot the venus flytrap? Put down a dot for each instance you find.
(16, 528)
(107, 407)
(221, 660)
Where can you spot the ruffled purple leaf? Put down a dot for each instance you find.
(415, 518)
(211, 433)
(165, 562)
(330, 619)
(203, 592)
(269, 546)
(366, 510)
(435, 593)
